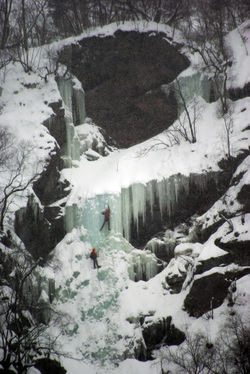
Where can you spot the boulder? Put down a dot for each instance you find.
(162, 332)
(122, 77)
(208, 291)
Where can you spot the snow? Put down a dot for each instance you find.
(210, 250)
(192, 249)
(105, 305)
(243, 294)
(228, 203)
(134, 165)
(109, 30)
(240, 231)
(240, 71)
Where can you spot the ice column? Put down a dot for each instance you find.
(198, 84)
(134, 204)
(127, 207)
(193, 85)
(74, 102)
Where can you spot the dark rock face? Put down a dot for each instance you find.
(6, 266)
(161, 333)
(37, 233)
(244, 197)
(176, 282)
(41, 229)
(47, 365)
(56, 123)
(205, 292)
(197, 193)
(238, 249)
(239, 93)
(212, 262)
(122, 77)
(47, 187)
(209, 291)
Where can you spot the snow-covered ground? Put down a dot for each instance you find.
(105, 305)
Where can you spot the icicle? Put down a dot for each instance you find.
(139, 197)
(133, 204)
(163, 249)
(145, 265)
(126, 212)
(71, 217)
(78, 103)
(151, 196)
(196, 84)
(161, 193)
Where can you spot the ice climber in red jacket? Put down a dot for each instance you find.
(93, 256)
(106, 214)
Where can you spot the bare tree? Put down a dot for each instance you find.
(234, 345)
(190, 107)
(30, 15)
(205, 34)
(228, 129)
(192, 113)
(5, 146)
(198, 355)
(165, 11)
(169, 139)
(23, 338)
(5, 12)
(23, 24)
(237, 18)
(71, 17)
(14, 160)
(185, 127)
(194, 356)
(26, 23)
(75, 16)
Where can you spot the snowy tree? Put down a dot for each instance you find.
(195, 355)
(205, 34)
(14, 161)
(72, 17)
(23, 24)
(191, 114)
(228, 129)
(24, 338)
(233, 348)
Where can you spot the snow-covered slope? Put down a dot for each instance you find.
(108, 310)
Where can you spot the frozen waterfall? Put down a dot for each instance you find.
(194, 85)
(74, 103)
(93, 295)
(134, 205)
(134, 208)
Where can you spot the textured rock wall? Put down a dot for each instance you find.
(39, 225)
(122, 77)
